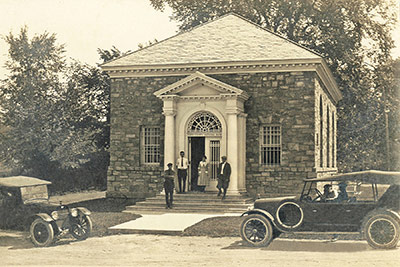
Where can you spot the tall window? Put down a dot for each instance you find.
(150, 145)
(270, 145)
(321, 133)
(333, 139)
(328, 131)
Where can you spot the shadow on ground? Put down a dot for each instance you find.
(307, 245)
(15, 240)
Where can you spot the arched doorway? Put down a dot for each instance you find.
(204, 132)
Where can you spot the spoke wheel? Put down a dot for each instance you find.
(42, 233)
(256, 230)
(382, 231)
(82, 230)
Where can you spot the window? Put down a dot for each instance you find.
(321, 133)
(270, 145)
(333, 140)
(151, 145)
(328, 131)
(204, 123)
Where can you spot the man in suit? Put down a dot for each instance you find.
(224, 174)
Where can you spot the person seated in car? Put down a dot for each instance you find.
(329, 194)
(342, 195)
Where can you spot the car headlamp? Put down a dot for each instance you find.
(74, 212)
(54, 215)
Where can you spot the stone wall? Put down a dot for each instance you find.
(325, 147)
(134, 106)
(285, 99)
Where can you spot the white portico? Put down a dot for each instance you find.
(204, 116)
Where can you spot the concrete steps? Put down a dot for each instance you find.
(193, 202)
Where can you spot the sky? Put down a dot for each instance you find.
(85, 25)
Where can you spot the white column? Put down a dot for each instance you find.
(242, 153)
(169, 112)
(233, 150)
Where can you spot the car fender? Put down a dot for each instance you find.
(259, 211)
(370, 214)
(45, 217)
(83, 210)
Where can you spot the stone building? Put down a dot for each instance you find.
(226, 87)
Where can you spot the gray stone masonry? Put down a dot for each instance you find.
(285, 99)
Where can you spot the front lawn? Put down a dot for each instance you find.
(107, 212)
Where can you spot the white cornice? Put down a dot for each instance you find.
(225, 90)
(317, 65)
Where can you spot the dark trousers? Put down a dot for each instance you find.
(169, 198)
(182, 179)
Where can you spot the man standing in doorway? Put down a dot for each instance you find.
(224, 174)
(182, 165)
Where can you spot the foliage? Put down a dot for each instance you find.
(353, 36)
(107, 55)
(56, 114)
(148, 43)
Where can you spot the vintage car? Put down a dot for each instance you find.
(366, 202)
(24, 204)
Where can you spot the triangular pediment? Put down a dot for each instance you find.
(199, 84)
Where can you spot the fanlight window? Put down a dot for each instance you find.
(204, 123)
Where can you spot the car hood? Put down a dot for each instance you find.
(275, 199)
(271, 204)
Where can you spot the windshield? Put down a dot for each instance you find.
(342, 191)
(36, 193)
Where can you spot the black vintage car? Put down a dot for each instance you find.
(24, 205)
(367, 202)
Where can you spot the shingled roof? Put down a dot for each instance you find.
(230, 38)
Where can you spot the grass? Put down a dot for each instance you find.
(106, 213)
(227, 226)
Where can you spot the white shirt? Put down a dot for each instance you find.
(185, 164)
(222, 167)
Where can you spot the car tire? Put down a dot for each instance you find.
(82, 230)
(256, 230)
(42, 233)
(382, 231)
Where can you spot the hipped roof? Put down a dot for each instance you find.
(230, 38)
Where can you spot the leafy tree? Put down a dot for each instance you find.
(353, 36)
(55, 114)
(107, 55)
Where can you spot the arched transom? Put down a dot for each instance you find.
(204, 123)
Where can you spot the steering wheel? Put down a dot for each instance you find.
(319, 194)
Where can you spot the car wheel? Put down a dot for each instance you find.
(256, 230)
(42, 233)
(382, 231)
(82, 230)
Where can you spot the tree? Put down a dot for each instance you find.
(55, 114)
(353, 36)
(107, 55)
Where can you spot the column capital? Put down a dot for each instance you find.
(234, 111)
(169, 112)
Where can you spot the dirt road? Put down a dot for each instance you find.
(160, 250)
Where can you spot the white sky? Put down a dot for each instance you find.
(85, 25)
